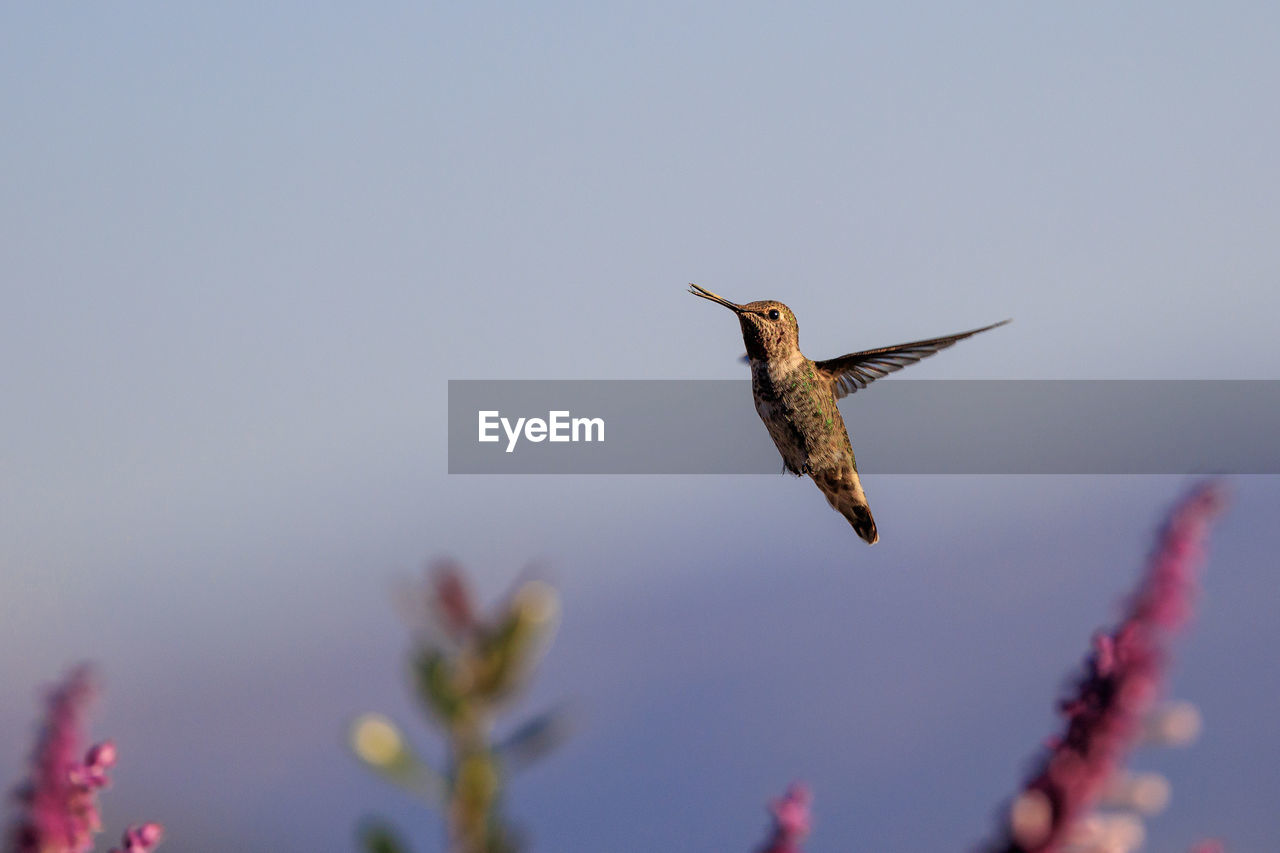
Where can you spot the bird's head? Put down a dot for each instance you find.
(769, 328)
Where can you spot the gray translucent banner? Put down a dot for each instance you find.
(898, 426)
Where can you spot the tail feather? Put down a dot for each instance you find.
(844, 492)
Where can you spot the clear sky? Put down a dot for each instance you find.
(245, 246)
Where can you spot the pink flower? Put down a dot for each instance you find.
(140, 839)
(59, 801)
(1104, 714)
(791, 820)
(60, 809)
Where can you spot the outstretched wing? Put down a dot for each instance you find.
(857, 370)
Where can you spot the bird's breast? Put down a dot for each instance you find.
(797, 404)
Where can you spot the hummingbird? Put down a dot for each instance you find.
(796, 398)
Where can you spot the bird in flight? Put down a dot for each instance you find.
(796, 398)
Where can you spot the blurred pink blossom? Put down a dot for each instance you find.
(60, 812)
(1209, 846)
(791, 820)
(59, 807)
(140, 839)
(1105, 713)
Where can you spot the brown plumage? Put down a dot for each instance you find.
(796, 398)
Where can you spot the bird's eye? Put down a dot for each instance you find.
(773, 314)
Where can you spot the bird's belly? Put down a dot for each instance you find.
(790, 441)
(807, 440)
(802, 418)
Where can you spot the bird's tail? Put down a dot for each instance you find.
(844, 493)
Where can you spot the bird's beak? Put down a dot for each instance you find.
(720, 300)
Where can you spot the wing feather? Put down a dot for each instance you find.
(857, 370)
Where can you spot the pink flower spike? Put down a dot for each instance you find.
(791, 820)
(59, 808)
(1106, 712)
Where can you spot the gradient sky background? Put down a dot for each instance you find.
(245, 246)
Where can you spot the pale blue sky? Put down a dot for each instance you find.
(245, 247)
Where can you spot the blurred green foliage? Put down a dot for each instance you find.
(465, 670)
